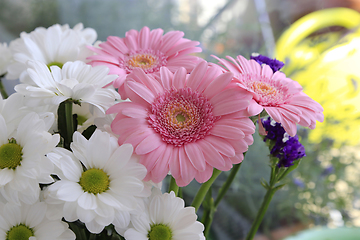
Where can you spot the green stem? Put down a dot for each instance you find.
(173, 186)
(225, 187)
(207, 220)
(200, 195)
(92, 236)
(69, 122)
(260, 215)
(3, 90)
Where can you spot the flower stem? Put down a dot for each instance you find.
(260, 215)
(173, 186)
(207, 220)
(68, 123)
(225, 187)
(3, 90)
(200, 195)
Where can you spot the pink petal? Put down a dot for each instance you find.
(183, 46)
(155, 38)
(142, 91)
(229, 106)
(197, 75)
(289, 126)
(212, 156)
(170, 39)
(274, 113)
(149, 160)
(180, 78)
(228, 132)
(174, 163)
(232, 67)
(161, 168)
(195, 156)
(266, 71)
(166, 77)
(221, 145)
(202, 177)
(187, 171)
(118, 43)
(149, 144)
(138, 75)
(130, 41)
(218, 84)
(144, 36)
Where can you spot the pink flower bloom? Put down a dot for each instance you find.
(185, 123)
(281, 97)
(148, 50)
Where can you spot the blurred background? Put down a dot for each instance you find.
(325, 189)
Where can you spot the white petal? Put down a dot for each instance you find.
(87, 201)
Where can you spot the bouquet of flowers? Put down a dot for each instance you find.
(95, 127)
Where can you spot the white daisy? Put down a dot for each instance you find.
(165, 218)
(55, 45)
(108, 188)
(23, 164)
(75, 80)
(5, 58)
(30, 222)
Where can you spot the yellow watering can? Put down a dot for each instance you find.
(327, 65)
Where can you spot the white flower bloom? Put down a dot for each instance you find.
(5, 58)
(75, 80)
(30, 222)
(23, 164)
(165, 217)
(55, 45)
(106, 191)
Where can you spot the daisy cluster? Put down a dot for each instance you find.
(95, 127)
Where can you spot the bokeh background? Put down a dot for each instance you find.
(325, 189)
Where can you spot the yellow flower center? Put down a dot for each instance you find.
(10, 155)
(160, 232)
(143, 61)
(19, 232)
(94, 181)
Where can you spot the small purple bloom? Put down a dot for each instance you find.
(287, 149)
(274, 64)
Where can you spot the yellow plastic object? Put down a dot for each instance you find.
(328, 67)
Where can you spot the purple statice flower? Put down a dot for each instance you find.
(274, 64)
(286, 148)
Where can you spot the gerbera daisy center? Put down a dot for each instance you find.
(149, 60)
(94, 181)
(159, 232)
(267, 92)
(10, 155)
(19, 232)
(181, 116)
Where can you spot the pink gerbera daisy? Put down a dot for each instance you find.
(148, 50)
(281, 97)
(185, 123)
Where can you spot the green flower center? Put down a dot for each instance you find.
(19, 232)
(180, 117)
(59, 64)
(10, 155)
(94, 181)
(159, 232)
